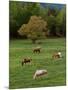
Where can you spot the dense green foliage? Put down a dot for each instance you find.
(22, 77)
(20, 13)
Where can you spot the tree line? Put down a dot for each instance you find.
(37, 18)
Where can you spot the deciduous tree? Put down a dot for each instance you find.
(34, 29)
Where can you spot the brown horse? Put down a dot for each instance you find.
(57, 55)
(26, 60)
(37, 50)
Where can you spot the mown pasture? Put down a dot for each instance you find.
(22, 76)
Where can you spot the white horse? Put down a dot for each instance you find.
(39, 73)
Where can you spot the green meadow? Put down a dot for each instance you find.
(22, 76)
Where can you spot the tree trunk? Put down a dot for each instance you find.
(34, 41)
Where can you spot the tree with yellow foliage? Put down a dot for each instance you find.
(35, 29)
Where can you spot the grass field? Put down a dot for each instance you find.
(22, 76)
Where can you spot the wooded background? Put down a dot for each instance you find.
(54, 15)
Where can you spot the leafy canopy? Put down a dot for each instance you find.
(35, 28)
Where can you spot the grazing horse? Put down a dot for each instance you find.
(37, 49)
(26, 60)
(57, 55)
(39, 73)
